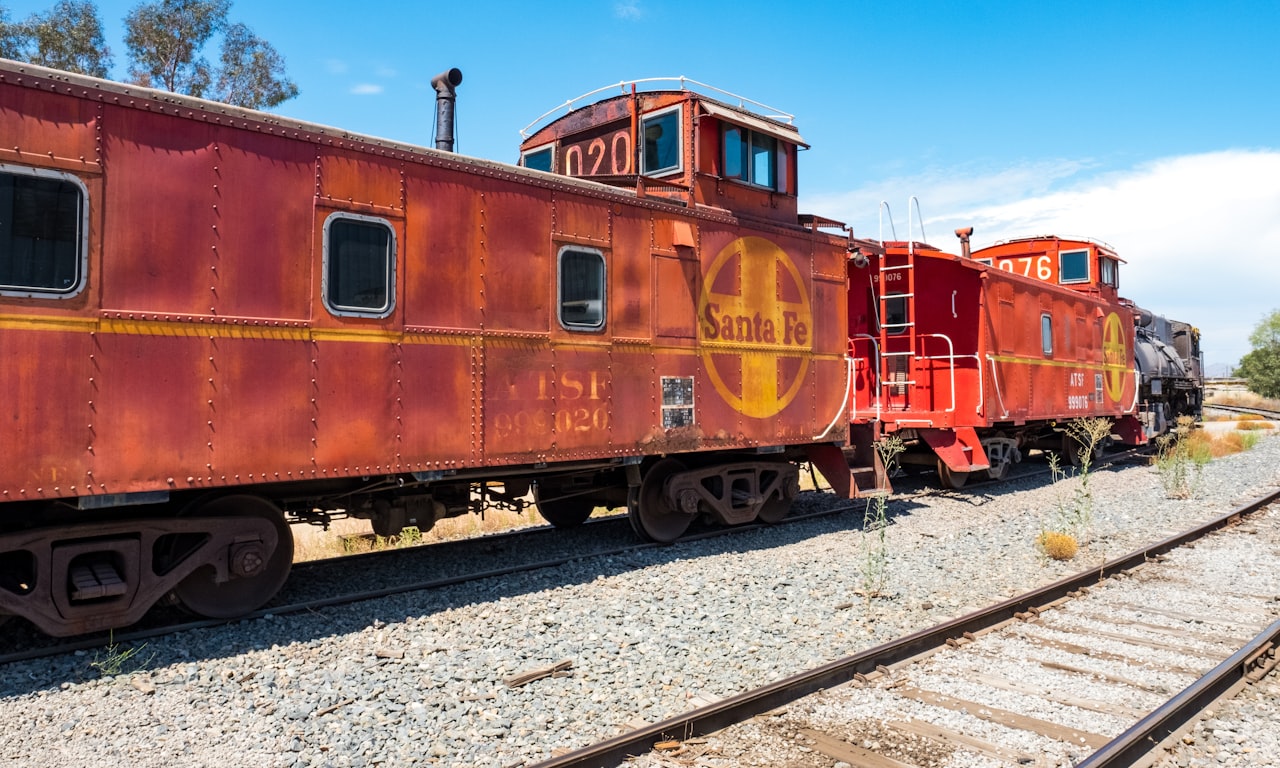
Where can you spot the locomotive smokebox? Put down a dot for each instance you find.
(445, 84)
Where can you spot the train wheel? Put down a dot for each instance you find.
(949, 478)
(201, 595)
(1074, 450)
(563, 513)
(777, 507)
(651, 516)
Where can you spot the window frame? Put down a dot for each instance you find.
(1106, 265)
(891, 301)
(81, 240)
(550, 149)
(1046, 334)
(392, 245)
(1088, 270)
(579, 327)
(679, 167)
(777, 163)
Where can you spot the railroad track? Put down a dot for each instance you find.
(1267, 414)
(319, 584)
(1125, 656)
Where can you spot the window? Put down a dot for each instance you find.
(754, 157)
(1046, 334)
(895, 315)
(43, 225)
(359, 271)
(538, 159)
(1073, 267)
(661, 135)
(581, 281)
(1107, 269)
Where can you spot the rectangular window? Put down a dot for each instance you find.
(661, 135)
(754, 157)
(42, 232)
(1046, 334)
(538, 159)
(581, 280)
(359, 271)
(895, 315)
(1108, 269)
(1073, 267)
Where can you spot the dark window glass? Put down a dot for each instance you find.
(734, 151)
(41, 245)
(539, 160)
(764, 159)
(361, 257)
(895, 315)
(1073, 266)
(753, 157)
(581, 289)
(662, 142)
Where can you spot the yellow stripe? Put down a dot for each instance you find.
(266, 330)
(1059, 363)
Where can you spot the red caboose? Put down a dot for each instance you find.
(216, 321)
(974, 358)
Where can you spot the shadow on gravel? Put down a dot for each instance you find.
(591, 545)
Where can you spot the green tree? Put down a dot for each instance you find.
(165, 39)
(68, 37)
(252, 73)
(1261, 366)
(12, 37)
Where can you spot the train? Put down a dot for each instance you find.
(219, 322)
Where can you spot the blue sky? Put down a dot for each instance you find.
(1153, 126)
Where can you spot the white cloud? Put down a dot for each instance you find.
(628, 9)
(1200, 233)
(366, 89)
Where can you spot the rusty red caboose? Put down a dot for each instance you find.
(974, 358)
(216, 321)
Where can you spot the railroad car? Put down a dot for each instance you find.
(974, 358)
(218, 321)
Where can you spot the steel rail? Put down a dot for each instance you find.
(1253, 660)
(1270, 414)
(746, 705)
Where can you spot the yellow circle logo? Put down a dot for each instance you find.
(756, 327)
(1115, 356)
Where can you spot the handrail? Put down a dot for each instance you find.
(843, 410)
(911, 243)
(760, 108)
(996, 381)
(951, 357)
(879, 381)
(884, 206)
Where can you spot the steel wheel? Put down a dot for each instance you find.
(200, 594)
(562, 513)
(777, 507)
(951, 479)
(651, 516)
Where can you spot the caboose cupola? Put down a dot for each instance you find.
(676, 143)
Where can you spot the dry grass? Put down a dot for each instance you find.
(1243, 399)
(1059, 546)
(350, 536)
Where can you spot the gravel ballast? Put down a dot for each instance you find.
(419, 678)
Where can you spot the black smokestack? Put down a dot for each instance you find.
(445, 83)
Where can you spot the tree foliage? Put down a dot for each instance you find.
(1261, 366)
(67, 37)
(164, 41)
(252, 73)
